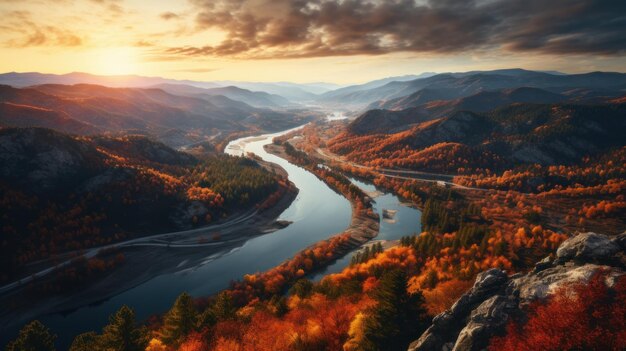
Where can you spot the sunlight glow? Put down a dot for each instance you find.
(116, 61)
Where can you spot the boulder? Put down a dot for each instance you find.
(484, 310)
(486, 320)
(587, 247)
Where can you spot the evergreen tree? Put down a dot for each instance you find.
(89, 341)
(33, 337)
(224, 308)
(302, 288)
(121, 334)
(180, 320)
(397, 318)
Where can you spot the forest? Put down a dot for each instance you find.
(498, 214)
(115, 189)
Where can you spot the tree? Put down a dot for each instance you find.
(395, 320)
(121, 334)
(223, 308)
(86, 342)
(302, 288)
(180, 320)
(33, 337)
(581, 316)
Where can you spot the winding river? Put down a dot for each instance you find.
(316, 214)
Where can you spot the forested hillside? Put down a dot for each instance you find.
(63, 194)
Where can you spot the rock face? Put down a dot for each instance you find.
(484, 310)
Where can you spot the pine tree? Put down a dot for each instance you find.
(121, 334)
(223, 308)
(33, 337)
(397, 317)
(86, 342)
(180, 320)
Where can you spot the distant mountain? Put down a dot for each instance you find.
(436, 103)
(15, 115)
(292, 91)
(457, 85)
(332, 95)
(20, 80)
(134, 110)
(428, 104)
(252, 98)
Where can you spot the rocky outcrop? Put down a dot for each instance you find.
(485, 309)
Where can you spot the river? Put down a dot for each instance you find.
(316, 214)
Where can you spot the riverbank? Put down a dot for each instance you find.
(143, 259)
(364, 225)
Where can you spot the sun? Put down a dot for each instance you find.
(116, 61)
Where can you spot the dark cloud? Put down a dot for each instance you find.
(315, 28)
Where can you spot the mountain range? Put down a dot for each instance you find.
(90, 109)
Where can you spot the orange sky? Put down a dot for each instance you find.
(135, 37)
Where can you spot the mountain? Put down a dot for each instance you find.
(457, 85)
(497, 298)
(333, 95)
(15, 115)
(128, 81)
(518, 133)
(428, 104)
(439, 102)
(135, 110)
(291, 91)
(385, 121)
(257, 99)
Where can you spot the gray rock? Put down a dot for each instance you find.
(484, 310)
(620, 240)
(486, 320)
(587, 247)
(447, 325)
(543, 264)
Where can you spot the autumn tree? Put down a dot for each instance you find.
(588, 316)
(33, 337)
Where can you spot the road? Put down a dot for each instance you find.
(384, 172)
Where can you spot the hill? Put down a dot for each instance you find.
(518, 134)
(62, 193)
(14, 115)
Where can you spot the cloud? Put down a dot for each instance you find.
(143, 43)
(169, 15)
(27, 33)
(196, 70)
(317, 28)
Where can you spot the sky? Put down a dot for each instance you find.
(338, 41)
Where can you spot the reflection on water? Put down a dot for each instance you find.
(406, 221)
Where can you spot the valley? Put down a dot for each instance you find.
(256, 213)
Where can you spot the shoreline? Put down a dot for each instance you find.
(362, 227)
(146, 259)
